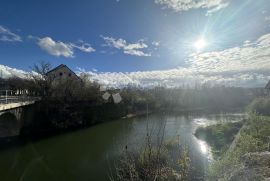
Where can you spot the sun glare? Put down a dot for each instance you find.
(200, 44)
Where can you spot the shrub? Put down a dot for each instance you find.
(162, 161)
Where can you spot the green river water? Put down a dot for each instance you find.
(89, 154)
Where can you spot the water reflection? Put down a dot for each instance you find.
(205, 149)
(207, 120)
(201, 121)
(218, 118)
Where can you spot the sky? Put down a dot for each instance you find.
(143, 42)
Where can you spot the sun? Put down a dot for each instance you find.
(200, 44)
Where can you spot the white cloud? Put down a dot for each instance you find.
(250, 57)
(6, 72)
(58, 48)
(247, 65)
(7, 35)
(130, 49)
(185, 5)
(55, 48)
(85, 47)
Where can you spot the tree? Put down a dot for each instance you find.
(41, 80)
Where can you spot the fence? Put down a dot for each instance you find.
(10, 96)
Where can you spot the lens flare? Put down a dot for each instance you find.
(200, 44)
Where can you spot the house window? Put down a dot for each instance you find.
(69, 74)
(60, 73)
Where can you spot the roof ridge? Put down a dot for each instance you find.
(60, 66)
(57, 67)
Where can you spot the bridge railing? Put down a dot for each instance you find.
(10, 96)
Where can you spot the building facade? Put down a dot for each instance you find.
(61, 74)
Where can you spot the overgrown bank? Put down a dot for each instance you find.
(219, 136)
(242, 159)
(248, 157)
(54, 116)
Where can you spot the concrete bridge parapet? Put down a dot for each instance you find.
(11, 118)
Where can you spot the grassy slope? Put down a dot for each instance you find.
(254, 137)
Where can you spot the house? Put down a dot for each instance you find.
(267, 88)
(63, 81)
(62, 74)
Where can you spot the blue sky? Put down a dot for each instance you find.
(146, 40)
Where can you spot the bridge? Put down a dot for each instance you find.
(12, 104)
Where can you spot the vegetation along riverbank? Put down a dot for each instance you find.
(219, 136)
(247, 157)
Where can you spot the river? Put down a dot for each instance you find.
(88, 154)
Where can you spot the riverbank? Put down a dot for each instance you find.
(137, 114)
(248, 158)
(48, 117)
(219, 136)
